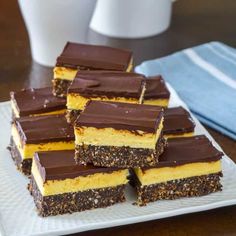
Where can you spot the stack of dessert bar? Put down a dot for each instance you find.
(114, 86)
(98, 126)
(43, 142)
(80, 57)
(119, 135)
(60, 186)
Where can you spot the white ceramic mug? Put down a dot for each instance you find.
(51, 23)
(131, 18)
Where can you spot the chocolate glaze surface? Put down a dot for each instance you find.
(121, 116)
(156, 88)
(94, 57)
(180, 151)
(61, 165)
(36, 101)
(43, 129)
(177, 120)
(107, 83)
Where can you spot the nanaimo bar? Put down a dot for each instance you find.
(119, 134)
(189, 167)
(104, 86)
(77, 57)
(156, 92)
(36, 102)
(41, 133)
(177, 123)
(59, 186)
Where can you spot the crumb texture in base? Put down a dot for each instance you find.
(187, 187)
(76, 201)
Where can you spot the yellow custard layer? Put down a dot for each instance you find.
(130, 66)
(66, 73)
(58, 112)
(119, 138)
(78, 102)
(190, 134)
(27, 150)
(80, 183)
(164, 174)
(156, 102)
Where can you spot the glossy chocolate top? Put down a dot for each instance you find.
(36, 101)
(43, 129)
(156, 88)
(94, 57)
(59, 165)
(121, 116)
(177, 120)
(107, 83)
(180, 151)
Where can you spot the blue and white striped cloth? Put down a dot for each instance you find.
(205, 78)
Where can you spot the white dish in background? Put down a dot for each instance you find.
(51, 24)
(18, 216)
(132, 18)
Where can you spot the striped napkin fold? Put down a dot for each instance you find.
(205, 78)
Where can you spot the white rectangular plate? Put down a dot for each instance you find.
(19, 217)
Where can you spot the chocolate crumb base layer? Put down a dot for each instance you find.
(124, 157)
(71, 115)
(60, 87)
(22, 165)
(187, 187)
(76, 201)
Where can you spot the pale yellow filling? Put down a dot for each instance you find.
(27, 150)
(80, 183)
(190, 134)
(66, 73)
(119, 138)
(130, 66)
(142, 95)
(77, 102)
(156, 102)
(164, 174)
(58, 112)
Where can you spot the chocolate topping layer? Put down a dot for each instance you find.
(121, 116)
(77, 55)
(35, 101)
(107, 83)
(177, 120)
(156, 88)
(180, 151)
(61, 165)
(44, 129)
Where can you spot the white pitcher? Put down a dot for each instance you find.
(131, 18)
(51, 23)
